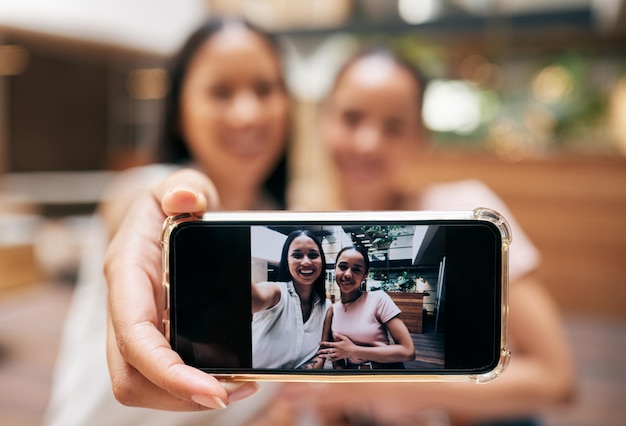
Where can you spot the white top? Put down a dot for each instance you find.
(81, 387)
(280, 339)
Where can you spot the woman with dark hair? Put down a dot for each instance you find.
(228, 123)
(358, 326)
(216, 91)
(371, 125)
(289, 314)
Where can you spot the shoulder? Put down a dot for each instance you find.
(277, 293)
(472, 193)
(384, 298)
(282, 286)
(385, 308)
(461, 195)
(377, 295)
(379, 298)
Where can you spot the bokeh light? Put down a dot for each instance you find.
(552, 84)
(509, 142)
(478, 69)
(451, 106)
(418, 11)
(617, 116)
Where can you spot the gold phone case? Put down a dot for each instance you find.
(287, 218)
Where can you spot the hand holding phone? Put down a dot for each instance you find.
(144, 370)
(347, 259)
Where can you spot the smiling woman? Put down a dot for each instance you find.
(289, 314)
(214, 98)
(359, 326)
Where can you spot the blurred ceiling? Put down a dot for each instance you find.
(145, 25)
(160, 26)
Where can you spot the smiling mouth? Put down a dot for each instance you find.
(307, 272)
(247, 145)
(362, 171)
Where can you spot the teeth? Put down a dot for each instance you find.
(247, 143)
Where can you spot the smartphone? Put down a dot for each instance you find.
(446, 273)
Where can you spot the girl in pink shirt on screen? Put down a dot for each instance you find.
(359, 326)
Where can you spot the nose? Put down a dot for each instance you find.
(306, 260)
(245, 109)
(368, 138)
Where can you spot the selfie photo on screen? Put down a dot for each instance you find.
(384, 283)
(358, 297)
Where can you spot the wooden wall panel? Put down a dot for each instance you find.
(572, 207)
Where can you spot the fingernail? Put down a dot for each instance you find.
(237, 392)
(176, 189)
(208, 401)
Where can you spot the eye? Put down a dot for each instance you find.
(263, 88)
(352, 118)
(395, 127)
(297, 255)
(356, 270)
(313, 254)
(221, 92)
(342, 266)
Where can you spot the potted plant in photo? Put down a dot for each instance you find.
(381, 236)
(405, 283)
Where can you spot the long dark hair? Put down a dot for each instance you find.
(283, 271)
(172, 145)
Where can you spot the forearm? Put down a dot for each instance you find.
(383, 354)
(524, 389)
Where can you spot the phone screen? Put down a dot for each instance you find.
(441, 278)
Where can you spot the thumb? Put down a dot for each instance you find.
(186, 191)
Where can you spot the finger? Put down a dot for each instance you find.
(133, 272)
(163, 381)
(325, 351)
(338, 336)
(238, 391)
(132, 388)
(186, 191)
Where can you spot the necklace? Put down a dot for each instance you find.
(345, 304)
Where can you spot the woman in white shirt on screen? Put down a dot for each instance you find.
(288, 315)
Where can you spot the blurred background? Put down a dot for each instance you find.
(528, 96)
